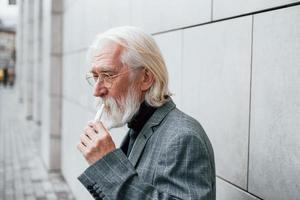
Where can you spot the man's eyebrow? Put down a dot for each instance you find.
(102, 70)
(92, 71)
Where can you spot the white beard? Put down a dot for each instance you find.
(115, 116)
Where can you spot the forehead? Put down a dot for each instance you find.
(108, 58)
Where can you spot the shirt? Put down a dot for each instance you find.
(136, 124)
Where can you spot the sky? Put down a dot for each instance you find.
(8, 13)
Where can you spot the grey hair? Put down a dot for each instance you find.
(140, 50)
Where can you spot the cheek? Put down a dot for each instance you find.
(118, 93)
(121, 87)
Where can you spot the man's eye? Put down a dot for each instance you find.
(104, 76)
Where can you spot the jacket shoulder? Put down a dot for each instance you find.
(179, 125)
(182, 123)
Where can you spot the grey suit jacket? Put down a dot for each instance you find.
(172, 158)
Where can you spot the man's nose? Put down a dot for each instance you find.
(100, 90)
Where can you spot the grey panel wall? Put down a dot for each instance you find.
(275, 115)
(160, 15)
(171, 48)
(216, 89)
(229, 8)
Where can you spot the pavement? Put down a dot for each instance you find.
(23, 175)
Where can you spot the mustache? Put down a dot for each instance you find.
(99, 101)
(108, 103)
(117, 114)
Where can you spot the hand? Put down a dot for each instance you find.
(95, 142)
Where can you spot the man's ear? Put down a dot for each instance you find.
(147, 80)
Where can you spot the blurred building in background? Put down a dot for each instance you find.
(7, 56)
(8, 21)
(233, 65)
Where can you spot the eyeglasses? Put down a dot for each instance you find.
(106, 78)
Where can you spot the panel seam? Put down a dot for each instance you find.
(250, 102)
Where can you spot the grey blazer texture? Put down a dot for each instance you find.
(172, 158)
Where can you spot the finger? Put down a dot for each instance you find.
(98, 126)
(90, 123)
(102, 129)
(81, 147)
(85, 140)
(93, 125)
(90, 132)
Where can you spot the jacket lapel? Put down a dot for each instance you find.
(148, 130)
(124, 143)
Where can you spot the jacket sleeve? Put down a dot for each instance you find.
(184, 171)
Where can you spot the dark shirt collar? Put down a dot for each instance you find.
(141, 117)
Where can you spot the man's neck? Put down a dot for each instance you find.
(141, 117)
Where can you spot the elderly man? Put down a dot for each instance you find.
(166, 153)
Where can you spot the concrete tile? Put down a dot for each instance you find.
(38, 190)
(57, 6)
(98, 17)
(74, 26)
(51, 196)
(55, 153)
(216, 89)
(60, 188)
(55, 115)
(171, 48)
(68, 74)
(30, 197)
(229, 8)
(56, 74)
(68, 3)
(45, 136)
(56, 33)
(226, 191)
(8, 196)
(119, 12)
(47, 186)
(75, 86)
(62, 195)
(275, 110)
(97, 10)
(155, 16)
(19, 196)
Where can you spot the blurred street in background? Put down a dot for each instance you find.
(22, 173)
